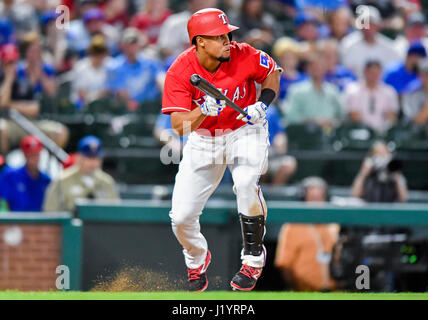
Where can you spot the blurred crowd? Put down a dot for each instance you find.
(360, 61)
(344, 61)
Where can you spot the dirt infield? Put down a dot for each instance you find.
(137, 279)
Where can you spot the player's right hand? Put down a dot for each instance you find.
(212, 107)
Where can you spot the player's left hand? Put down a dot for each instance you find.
(256, 113)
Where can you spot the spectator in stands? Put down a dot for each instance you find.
(415, 104)
(84, 180)
(387, 9)
(134, 78)
(150, 19)
(79, 7)
(367, 44)
(82, 30)
(33, 73)
(339, 23)
(314, 100)
(371, 102)
(256, 26)
(22, 15)
(19, 94)
(287, 52)
(116, 13)
(304, 251)
(337, 74)
(400, 74)
(24, 188)
(414, 32)
(54, 41)
(89, 75)
(173, 37)
(281, 166)
(307, 28)
(380, 178)
(311, 5)
(7, 32)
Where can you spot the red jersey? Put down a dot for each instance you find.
(235, 78)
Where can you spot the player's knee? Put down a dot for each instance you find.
(246, 185)
(181, 218)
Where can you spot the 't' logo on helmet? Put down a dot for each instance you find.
(223, 16)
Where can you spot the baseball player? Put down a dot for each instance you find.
(219, 137)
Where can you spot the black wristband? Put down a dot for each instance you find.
(267, 96)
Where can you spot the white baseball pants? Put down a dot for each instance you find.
(201, 169)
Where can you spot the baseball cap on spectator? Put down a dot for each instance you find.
(417, 48)
(284, 44)
(9, 53)
(416, 18)
(90, 146)
(93, 14)
(98, 45)
(48, 16)
(131, 35)
(31, 145)
(303, 17)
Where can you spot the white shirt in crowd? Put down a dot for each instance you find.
(355, 52)
(173, 35)
(91, 80)
(373, 105)
(401, 45)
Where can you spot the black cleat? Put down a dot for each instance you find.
(198, 281)
(246, 278)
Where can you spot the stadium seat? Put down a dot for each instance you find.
(408, 137)
(352, 136)
(305, 137)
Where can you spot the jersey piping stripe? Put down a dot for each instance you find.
(175, 108)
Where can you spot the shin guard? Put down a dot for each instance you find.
(252, 234)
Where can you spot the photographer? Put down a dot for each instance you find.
(380, 178)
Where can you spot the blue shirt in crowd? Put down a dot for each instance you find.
(22, 192)
(325, 4)
(399, 77)
(341, 77)
(24, 81)
(138, 79)
(275, 125)
(7, 31)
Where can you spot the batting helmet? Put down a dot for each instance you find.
(208, 22)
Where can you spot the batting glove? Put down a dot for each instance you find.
(256, 113)
(212, 107)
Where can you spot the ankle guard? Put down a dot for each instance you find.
(252, 234)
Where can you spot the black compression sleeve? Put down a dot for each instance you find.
(266, 96)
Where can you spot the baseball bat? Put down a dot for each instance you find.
(198, 82)
(30, 128)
